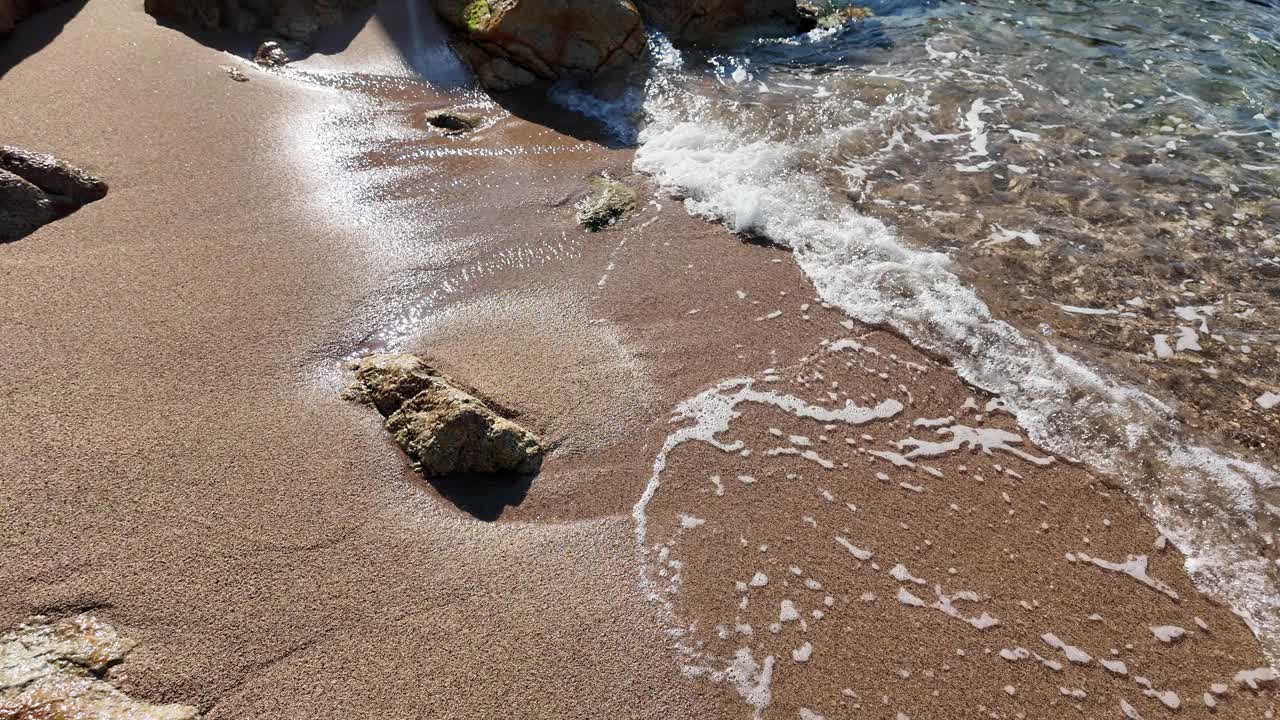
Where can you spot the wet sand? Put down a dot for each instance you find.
(177, 459)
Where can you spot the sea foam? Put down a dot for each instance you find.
(760, 185)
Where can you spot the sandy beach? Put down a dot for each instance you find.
(177, 459)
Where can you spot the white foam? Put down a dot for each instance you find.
(763, 186)
(853, 549)
(1135, 566)
(1001, 235)
(1074, 654)
(802, 653)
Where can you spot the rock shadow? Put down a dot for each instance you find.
(328, 40)
(483, 497)
(33, 33)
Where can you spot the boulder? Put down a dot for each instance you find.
(445, 430)
(13, 12)
(36, 189)
(510, 43)
(706, 20)
(292, 19)
(58, 668)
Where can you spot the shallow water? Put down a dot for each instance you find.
(1076, 203)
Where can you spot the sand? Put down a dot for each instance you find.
(177, 461)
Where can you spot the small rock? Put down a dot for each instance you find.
(55, 668)
(451, 123)
(271, 54)
(235, 74)
(609, 201)
(36, 189)
(444, 429)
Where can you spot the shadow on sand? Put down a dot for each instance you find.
(484, 497)
(32, 34)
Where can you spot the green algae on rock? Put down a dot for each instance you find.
(445, 430)
(58, 669)
(609, 201)
(512, 43)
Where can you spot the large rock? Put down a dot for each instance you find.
(36, 189)
(13, 12)
(706, 20)
(445, 430)
(509, 43)
(293, 19)
(59, 669)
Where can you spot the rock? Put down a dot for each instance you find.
(293, 19)
(36, 189)
(235, 74)
(451, 123)
(706, 20)
(52, 175)
(389, 381)
(271, 54)
(57, 668)
(837, 17)
(510, 43)
(13, 12)
(442, 428)
(609, 200)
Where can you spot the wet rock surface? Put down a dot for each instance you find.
(292, 19)
(59, 669)
(512, 43)
(451, 123)
(271, 54)
(445, 430)
(608, 202)
(36, 189)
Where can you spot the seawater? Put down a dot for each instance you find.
(1077, 203)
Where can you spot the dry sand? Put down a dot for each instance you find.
(176, 460)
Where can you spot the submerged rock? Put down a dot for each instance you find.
(293, 19)
(609, 201)
(828, 18)
(707, 20)
(510, 43)
(36, 189)
(58, 669)
(445, 430)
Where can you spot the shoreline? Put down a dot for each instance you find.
(185, 468)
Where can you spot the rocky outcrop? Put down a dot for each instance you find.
(705, 20)
(293, 19)
(444, 430)
(13, 12)
(59, 669)
(36, 189)
(510, 43)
